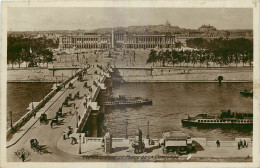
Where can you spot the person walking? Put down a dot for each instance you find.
(51, 125)
(238, 145)
(218, 143)
(34, 115)
(23, 157)
(64, 136)
(245, 145)
(241, 143)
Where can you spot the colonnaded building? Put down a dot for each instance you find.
(117, 39)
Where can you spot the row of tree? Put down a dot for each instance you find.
(219, 55)
(32, 51)
(235, 45)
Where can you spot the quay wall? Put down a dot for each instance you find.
(38, 75)
(171, 74)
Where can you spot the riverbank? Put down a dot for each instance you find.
(140, 74)
(185, 74)
(38, 75)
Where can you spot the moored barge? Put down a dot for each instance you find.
(226, 118)
(122, 100)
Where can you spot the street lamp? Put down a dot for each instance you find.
(126, 136)
(77, 125)
(32, 103)
(10, 112)
(148, 136)
(56, 81)
(79, 143)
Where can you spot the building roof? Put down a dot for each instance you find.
(174, 135)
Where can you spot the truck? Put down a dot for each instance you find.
(176, 141)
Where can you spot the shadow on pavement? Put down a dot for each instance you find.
(149, 150)
(197, 147)
(118, 149)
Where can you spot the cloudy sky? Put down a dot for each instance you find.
(26, 19)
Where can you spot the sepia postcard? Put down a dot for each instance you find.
(130, 84)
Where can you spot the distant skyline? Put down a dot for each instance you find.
(40, 19)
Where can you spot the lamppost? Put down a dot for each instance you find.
(11, 118)
(79, 143)
(148, 136)
(77, 125)
(126, 136)
(56, 81)
(32, 103)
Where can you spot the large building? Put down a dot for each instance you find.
(117, 39)
(204, 28)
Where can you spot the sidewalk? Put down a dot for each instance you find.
(124, 149)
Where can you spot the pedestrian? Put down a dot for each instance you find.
(23, 157)
(34, 115)
(79, 117)
(245, 144)
(238, 145)
(241, 143)
(51, 125)
(64, 136)
(218, 143)
(70, 112)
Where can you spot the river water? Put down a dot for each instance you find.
(173, 102)
(19, 96)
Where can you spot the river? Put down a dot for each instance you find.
(173, 102)
(19, 96)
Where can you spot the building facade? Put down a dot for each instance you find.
(117, 39)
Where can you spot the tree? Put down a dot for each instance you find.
(187, 57)
(174, 57)
(193, 58)
(244, 58)
(152, 57)
(201, 57)
(48, 56)
(236, 59)
(180, 57)
(250, 58)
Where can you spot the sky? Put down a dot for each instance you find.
(32, 18)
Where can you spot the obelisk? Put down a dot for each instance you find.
(113, 45)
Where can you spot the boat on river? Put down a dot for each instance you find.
(123, 100)
(247, 93)
(226, 118)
